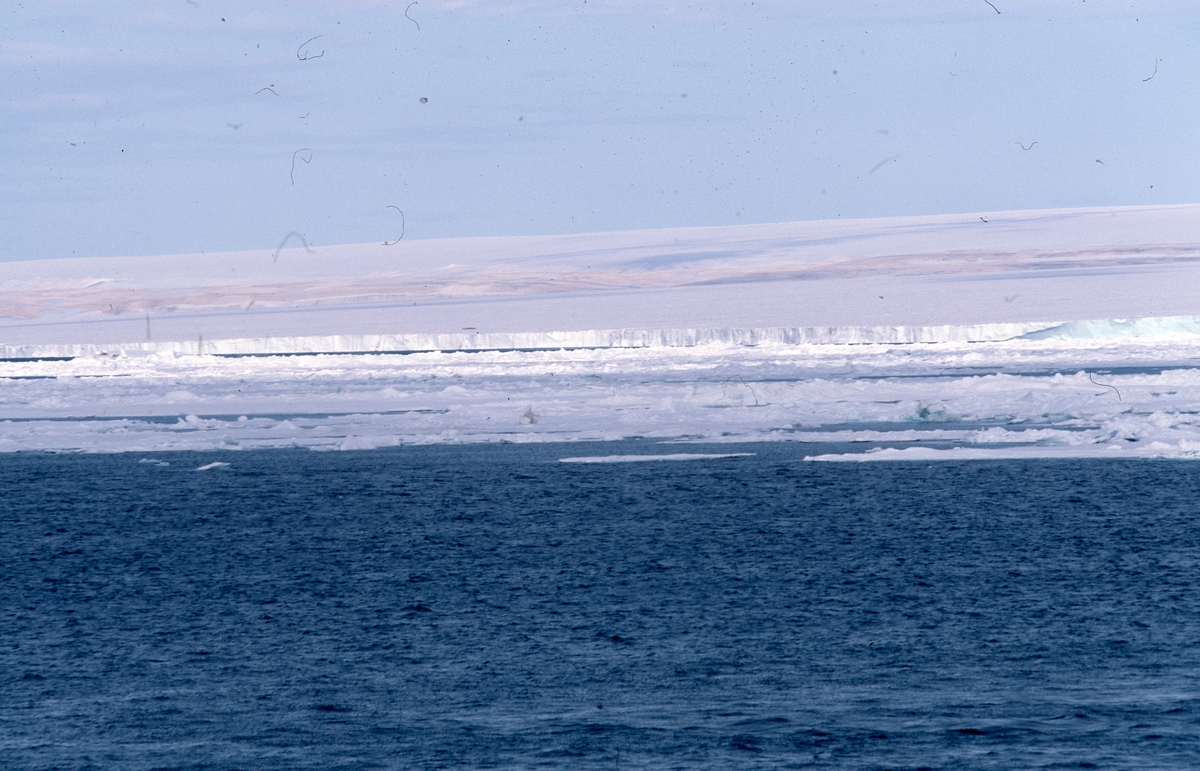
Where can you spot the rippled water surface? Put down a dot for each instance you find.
(490, 607)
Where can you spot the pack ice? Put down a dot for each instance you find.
(1052, 333)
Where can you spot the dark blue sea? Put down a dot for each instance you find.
(479, 607)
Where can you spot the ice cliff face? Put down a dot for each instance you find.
(547, 341)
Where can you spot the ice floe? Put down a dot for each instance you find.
(674, 456)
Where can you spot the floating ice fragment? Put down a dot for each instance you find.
(643, 458)
(216, 464)
(368, 442)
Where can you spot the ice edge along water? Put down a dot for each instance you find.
(1109, 389)
(1168, 326)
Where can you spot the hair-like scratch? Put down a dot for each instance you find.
(1106, 385)
(1153, 73)
(285, 240)
(1023, 147)
(397, 208)
(292, 173)
(877, 166)
(306, 57)
(743, 381)
(266, 88)
(994, 8)
(414, 21)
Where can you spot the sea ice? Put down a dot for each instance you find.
(675, 456)
(1052, 334)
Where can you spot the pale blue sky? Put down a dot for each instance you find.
(118, 127)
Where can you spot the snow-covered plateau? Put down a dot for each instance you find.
(1058, 333)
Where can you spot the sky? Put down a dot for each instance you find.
(185, 126)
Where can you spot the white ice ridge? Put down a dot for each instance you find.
(539, 341)
(1167, 327)
(1160, 327)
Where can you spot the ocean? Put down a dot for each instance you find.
(490, 607)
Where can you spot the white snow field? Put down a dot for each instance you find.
(1056, 333)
